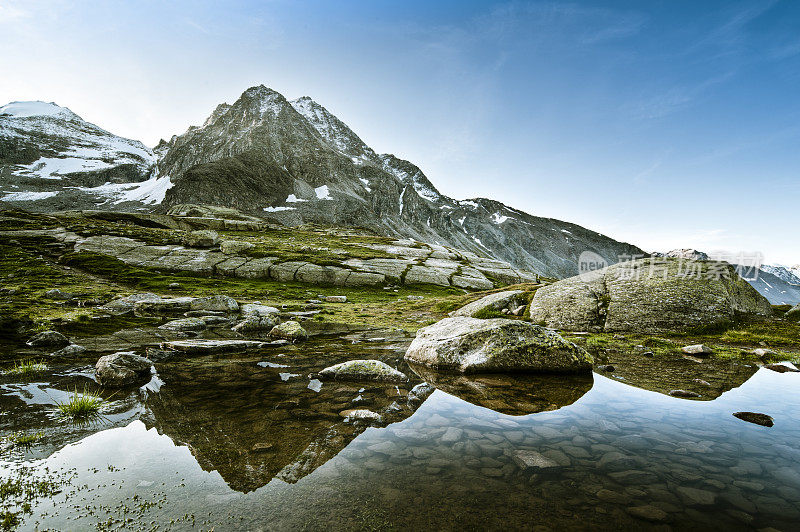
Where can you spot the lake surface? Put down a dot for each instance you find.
(252, 442)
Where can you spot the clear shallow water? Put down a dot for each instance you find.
(227, 444)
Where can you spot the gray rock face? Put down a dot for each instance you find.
(363, 370)
(215, 303)
(497, 302)
(235, 247)
(255, 323)
(471, 345)
(184, 324)
(289, 330)
(205, 238)
(632, 296)
(48, 339)
(251, 309)
(122, 369)
(468, 273)
(125, 304)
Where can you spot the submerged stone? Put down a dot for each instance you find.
(361, 414)
(526, 459)
(368, 370)
(470, 345)
(122, 369)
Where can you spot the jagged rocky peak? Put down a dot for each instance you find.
(218, 112)
(334, 131)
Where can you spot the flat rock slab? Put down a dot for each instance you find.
(210, 347)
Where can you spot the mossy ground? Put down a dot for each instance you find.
(29, 267)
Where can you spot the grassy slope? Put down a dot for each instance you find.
(31, 266)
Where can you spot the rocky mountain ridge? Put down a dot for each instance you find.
(294, 162)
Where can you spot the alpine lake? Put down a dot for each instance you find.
(253, 441)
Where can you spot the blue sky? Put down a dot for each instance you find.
(664, 123)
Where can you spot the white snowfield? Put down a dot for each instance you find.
(27, 196)
(150, 192)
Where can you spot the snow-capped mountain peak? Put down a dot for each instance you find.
(37, 109)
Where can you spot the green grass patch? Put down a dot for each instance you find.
(26, 368)
(24, 439)
(82, 406)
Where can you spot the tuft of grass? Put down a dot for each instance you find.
(26, 368)
(24, 440)
(81, 407)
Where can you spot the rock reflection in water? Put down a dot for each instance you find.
(243, 418)
(513, 395)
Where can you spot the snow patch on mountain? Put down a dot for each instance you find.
(323, 193)
(498, 218)
(27, 196)
(150, 192)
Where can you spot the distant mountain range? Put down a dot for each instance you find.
(290, 161)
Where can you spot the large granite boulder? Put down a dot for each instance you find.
(492, 302)
(472, 345)
(647, 295)
(122, 369)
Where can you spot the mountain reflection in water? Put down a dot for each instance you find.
(238, 448)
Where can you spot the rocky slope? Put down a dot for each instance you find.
(51, 157)
(294, 162)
